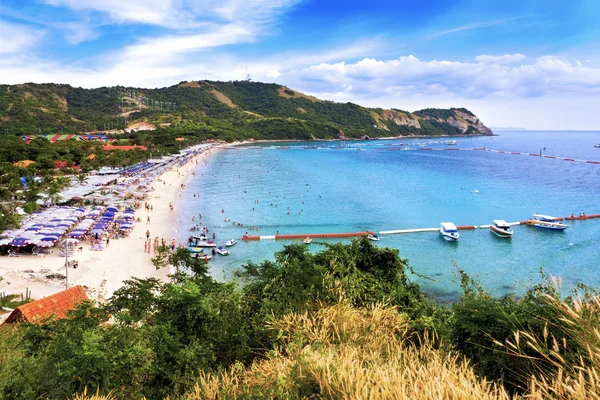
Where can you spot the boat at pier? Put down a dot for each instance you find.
(501, 229)
(449, 232)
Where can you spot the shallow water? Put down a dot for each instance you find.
(328, 190)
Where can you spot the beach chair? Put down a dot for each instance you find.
(12, 253)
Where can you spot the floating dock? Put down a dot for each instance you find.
(308, 235)
(397, 231)
(406, 147)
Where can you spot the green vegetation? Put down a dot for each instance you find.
(208, 110)
(345, 322)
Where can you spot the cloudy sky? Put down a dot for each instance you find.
(525, 63)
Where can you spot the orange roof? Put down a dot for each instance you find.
(23, 163)
(56, 305)
(105, 148)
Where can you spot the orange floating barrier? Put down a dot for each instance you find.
(466, 227)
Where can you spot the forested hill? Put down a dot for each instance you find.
(225, 110)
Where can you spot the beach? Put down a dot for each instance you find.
(103, 272)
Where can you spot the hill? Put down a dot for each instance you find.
(224, 110)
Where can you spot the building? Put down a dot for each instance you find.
(57, 305)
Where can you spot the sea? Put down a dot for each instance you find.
(380, 185)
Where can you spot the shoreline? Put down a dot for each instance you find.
(103, 272)
(244, 142)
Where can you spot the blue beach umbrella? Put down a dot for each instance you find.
(113, 209)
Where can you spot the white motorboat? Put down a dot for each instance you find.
(545, 218)
(222, 251)
(373, 237)
(201, 241)
(449, 231)
(307, 240)
(230, 242)
(597, 146)
(450, 142)
(204, 257)
(555, 226)
(501, 229)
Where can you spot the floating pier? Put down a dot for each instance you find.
(406, 147)
(309, 235)
(396, 231)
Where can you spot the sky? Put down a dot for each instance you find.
(522, 63)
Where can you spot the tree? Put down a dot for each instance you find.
(82, 178)
(53, 194)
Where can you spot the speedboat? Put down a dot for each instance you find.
(202, 241)
(545, 218)
(307, 240)
(373, 237)
(204, 257)
(597, 146)
(450, 142)
(230, 242)
(501, 229)
(221, 250)
(449, 231)
(547, 225)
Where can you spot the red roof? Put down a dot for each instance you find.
(60, 164)
(56, 305)
(105, 148)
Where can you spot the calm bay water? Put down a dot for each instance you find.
(346, 190)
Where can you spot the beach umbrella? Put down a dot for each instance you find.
(113, 209)
(18, 243)
(55, 220)
(70, 220)
(98, 231)
(63, 225)
(43, 244)
(5, 242)
(53, 234)
(48, 239)
(32, 229)
(70, 241)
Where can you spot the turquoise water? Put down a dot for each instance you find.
(376, 188)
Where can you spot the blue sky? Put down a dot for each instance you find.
(527, 63)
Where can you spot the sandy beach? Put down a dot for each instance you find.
(103, 272)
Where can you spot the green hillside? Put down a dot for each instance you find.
(224, 110)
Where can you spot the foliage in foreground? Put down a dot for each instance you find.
(286, 334)
(342, 351)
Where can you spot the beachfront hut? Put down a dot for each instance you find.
(57, 305)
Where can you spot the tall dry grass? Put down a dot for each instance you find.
(96, 396)
(343, 352)
(566, 362)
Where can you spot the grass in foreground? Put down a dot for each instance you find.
(345, 352)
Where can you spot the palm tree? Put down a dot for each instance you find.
(82, 178)
(62, 181)
(53, 194)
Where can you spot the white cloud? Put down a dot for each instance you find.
(155, 12)
(17, 38)
(505, 59)
(181, 14)
(469, 27)
(488, 77)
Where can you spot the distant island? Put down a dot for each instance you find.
(229, 111)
